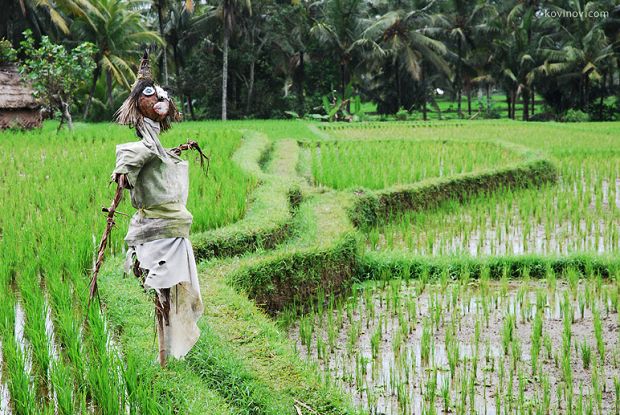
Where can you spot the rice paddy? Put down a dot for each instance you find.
(446, 343)
(463, 346)
(380, 164)
(580, 213)
(56, 356)
(458, 345)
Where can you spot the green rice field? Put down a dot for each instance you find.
(52, 190)
(472, 287)
(379, 164)
(416, 346)
(578, 214)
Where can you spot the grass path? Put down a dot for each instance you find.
(243, 363)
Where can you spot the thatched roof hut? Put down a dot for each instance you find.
(18, 107)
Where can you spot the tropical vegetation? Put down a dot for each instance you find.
(222, 56)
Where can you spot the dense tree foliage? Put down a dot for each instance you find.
(56, 73)
(266, 58)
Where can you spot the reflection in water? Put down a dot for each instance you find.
(402, 349)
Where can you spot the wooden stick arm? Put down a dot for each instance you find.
(121, 179)
(192, 145)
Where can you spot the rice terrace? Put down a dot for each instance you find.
(310, 207)
(483, 276)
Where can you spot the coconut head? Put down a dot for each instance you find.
(147, 100)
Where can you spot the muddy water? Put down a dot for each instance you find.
(49, 331)
(395, 379)
(22, 342)
(24, 345)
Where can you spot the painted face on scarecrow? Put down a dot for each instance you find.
(147, 100)
(154, 103)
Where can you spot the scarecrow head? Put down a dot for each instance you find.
(147, 100)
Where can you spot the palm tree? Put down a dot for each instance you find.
(227, 12)
(517, 50)
(116, 28)
(180, 37)
(287, 34)
(585, 55)
(44, 17)
(161, 6)
(466, 22)
(407, 38)
(167, 10)
(341, 27)
(58, 10)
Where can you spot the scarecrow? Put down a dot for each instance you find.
(160, 253)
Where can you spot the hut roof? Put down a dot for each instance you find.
(14, 93)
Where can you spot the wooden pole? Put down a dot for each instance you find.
(122, 183)
(159, 312)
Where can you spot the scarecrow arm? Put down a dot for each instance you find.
(121, 179)
(192, 145)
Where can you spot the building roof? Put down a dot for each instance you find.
(14, 94)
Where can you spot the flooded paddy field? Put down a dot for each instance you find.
(580, 213)
(464, 346)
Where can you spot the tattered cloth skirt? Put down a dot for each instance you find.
(171, 264)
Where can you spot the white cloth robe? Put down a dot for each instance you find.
(170, 263)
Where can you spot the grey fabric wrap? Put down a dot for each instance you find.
(159, 189)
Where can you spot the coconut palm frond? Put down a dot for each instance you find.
(412, 63)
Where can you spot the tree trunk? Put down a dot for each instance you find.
(66, 115)
(96, 75)
(509, 102)
(234, 101)
(191, 107)
(469, 101)
(301, 76)
(164, 57)
(533, 107)
(108, 80)
(581, 94)
(250, 88)
(225, 72)
(424, 114)
(526, 101)
(459, 83)
(586, 92)
(604, 89)
(488, 87)
(177, 68)
(399, 100)
(342, 79)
